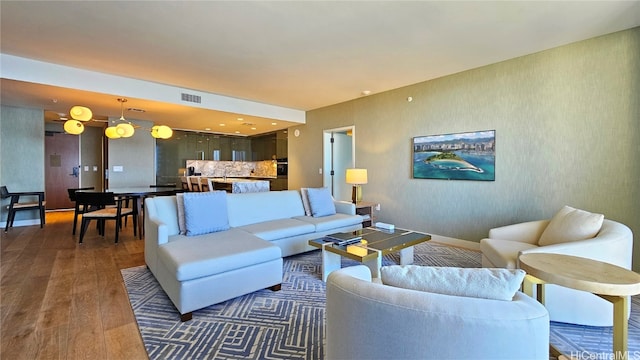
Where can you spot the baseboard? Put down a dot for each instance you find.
(465, 244)
(18, 223)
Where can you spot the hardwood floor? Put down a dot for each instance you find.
(62, 300)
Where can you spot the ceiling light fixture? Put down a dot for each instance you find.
(78, 113)
(126, 129)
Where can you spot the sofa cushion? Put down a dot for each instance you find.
(330, 222)
(205, 212)
(279, 229)
(503, 253)
(495, 284)
(192, 257)
(251, 208)
(181, 222)
(321, 202)
(305, 201)
(571, 224)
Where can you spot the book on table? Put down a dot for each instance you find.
(344, 238)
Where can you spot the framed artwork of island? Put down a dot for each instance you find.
(459, 156)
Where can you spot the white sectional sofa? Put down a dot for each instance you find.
(243, 257)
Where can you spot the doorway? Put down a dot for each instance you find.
(62, 169)
(338, 156)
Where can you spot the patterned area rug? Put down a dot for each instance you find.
(289, 324)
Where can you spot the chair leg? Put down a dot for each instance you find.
(10, 217)
(118, 225)
(83, 228)
(75, 223)
(42, 220)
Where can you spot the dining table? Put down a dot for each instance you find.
(138, 193)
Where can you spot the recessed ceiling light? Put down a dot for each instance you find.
(207, 129)
(240, 119)
(253, 128)
(223, 124)
(237, 132)
(136, 110)
(274, 123)
(366, 92)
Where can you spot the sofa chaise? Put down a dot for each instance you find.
(240, 248)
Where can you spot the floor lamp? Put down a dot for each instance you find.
(356, 177)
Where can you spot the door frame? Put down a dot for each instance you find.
(327, 156)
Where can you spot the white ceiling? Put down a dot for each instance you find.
(295, 54)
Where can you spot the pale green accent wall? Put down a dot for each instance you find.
(567, 124)
(135, 155)
(21, 155)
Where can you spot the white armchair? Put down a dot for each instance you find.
(613, 244)
(369, 320)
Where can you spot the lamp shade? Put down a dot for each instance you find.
(111, 132)
(73, 127)
(80, 113)
(356, 176)
(125, 130)
(164, 132)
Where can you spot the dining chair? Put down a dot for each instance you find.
(185, 183)
(15, 204)
(101, 201)
(194, 181)
(204, 184)
(78, 210)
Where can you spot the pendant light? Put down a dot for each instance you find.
(125, 129)
(78, 113)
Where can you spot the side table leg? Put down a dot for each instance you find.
(406, 256)
(620, 325)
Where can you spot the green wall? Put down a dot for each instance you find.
(21, 156)
(567, 124)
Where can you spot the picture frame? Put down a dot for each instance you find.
(456, 156)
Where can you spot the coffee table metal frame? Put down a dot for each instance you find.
(610, 282)
(374, 245)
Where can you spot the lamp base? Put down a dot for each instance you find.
(356, 194)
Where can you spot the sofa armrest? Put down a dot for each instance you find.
(527, 232)
(345, 207)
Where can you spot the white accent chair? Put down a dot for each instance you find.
(613, 244)
(369, 320)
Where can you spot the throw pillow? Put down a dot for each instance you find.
(205, 212)
(571, 224)
(182, 228)
(496, 284)
(321, 202)
(305, 201)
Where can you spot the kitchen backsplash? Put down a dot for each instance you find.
(266, 168)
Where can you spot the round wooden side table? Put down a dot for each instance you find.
(612, 283)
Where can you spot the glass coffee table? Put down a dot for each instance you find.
(369, 251)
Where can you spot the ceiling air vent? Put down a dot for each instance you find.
(191, 98)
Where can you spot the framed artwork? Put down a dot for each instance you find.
(461, 156)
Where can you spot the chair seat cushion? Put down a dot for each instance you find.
(27, 205)
(503, 253)
(192, 257)
(109, 212)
